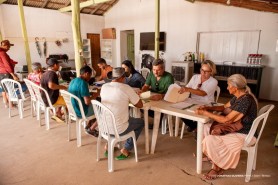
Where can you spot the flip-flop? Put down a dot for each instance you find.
(214, 176)
(106, 153)
(57, 119)
(122, 157)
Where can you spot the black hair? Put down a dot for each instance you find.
(85, 69)
(130, 66)
(101, 61)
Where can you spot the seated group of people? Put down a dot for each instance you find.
(223, 151)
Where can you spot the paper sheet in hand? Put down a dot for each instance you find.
(145, 95)
(173, 94)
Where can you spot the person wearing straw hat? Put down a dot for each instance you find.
(116, 96)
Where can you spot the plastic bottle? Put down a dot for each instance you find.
(196, 57)
(248, 59)
(189, 57)
(193, 57)
(260, 59)
(201, 57)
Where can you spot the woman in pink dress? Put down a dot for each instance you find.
(224, 150)
(35, 76)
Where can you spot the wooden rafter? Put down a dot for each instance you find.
(267, 6)
(96, 8)
(45, 3)
(83, 4)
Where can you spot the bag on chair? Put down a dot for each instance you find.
(225, 128)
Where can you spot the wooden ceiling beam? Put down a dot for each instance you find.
(266, 6)
(45, 3)
(96, 8)
(83, 4)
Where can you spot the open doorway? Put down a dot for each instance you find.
(127, 45)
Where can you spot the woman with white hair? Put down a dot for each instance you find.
(36, 75)
(224, 150)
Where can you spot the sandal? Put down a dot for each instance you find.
(213, 174)
(122, 157)
(57, 119)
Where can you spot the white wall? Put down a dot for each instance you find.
(50, 24)
(182, 20)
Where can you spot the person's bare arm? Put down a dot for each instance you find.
(139, 104)
(54, 86)
(87, 100)
(157, 97)
(230, 118)
(193, 91)
(144, 89)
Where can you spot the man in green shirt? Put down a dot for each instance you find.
(158, 80)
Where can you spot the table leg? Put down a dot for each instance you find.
(177, 125)
(147, 141)
(157, 116)
(170, 123)
(200, 131)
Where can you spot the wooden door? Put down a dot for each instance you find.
(95, 50)
(130, 48)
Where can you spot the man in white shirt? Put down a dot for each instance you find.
(116, 96)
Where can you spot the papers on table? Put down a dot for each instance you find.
(173, 94)
(189, 105)
(145, 95)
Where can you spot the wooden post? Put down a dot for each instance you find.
(78, 50)
(157, 24)
(24, 33)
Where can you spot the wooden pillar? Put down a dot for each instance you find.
(24, 33)
(157, 24)
(77, 35)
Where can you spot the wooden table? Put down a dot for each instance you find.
(165, 107)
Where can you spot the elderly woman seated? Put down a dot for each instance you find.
(224, 150)
(36, 75)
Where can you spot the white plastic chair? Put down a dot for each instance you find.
(15, 94)
(108, 131)
(217, 91)
(32, 94)
(41, 106)
(253, 149)
(68, 97)
(145, 72)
